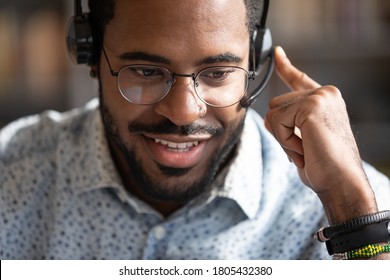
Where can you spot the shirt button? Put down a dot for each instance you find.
(159, 232)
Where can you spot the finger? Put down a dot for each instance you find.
(293, 147)
(298, 132)
(290, 140)
(285, 100)
(292, 77)
(296, 158)
(289, 137)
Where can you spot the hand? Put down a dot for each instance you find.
(311, 124)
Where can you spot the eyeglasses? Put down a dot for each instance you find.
(217, 86)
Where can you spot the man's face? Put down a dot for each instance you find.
(172, 149)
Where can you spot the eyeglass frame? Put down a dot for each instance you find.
(193, 76)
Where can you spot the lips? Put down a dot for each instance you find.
(177, 153)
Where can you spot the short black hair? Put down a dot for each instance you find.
(102, 12)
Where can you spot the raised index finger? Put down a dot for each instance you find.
(292, 77)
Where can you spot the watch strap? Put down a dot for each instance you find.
(370, 234)
(353, 224)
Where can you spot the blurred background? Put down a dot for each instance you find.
(340, 42)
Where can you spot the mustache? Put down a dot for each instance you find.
(168, 127)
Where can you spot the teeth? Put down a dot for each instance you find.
(174, 145)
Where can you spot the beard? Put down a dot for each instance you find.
(169, 190)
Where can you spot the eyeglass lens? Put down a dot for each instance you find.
(216, 86)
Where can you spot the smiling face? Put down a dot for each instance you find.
(172, 150)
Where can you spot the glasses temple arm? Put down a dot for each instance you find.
(113, 73)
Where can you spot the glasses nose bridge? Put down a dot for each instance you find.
(174, 75)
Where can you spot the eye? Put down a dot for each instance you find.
(147, 72)
(143, 75)
(217, 77)
(217, 74)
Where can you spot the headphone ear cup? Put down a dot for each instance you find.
(262, 50)
(80, 40)
(262, 41)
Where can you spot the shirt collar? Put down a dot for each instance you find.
(86, 159)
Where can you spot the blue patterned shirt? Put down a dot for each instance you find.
(62, 198)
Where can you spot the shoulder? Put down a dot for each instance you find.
(34, 165)
(40, 134)
(28, 135)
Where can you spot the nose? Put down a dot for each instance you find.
(181, 106)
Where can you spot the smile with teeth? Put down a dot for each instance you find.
(173, 145)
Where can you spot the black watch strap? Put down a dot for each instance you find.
(370, 234)
(356, 223)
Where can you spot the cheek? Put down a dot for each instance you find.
(230, 117)
(120, 111)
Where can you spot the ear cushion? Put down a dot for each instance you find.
(262, 41)
(262, 51)
(80, 41)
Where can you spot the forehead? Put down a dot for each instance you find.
(177, 25)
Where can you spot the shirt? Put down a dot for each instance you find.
(61, 197)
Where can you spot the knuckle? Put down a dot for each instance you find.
(317, 100)
(326, 97)
(333, 90)
(327, 93)
(329, 90)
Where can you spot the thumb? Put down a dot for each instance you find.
(290, 75)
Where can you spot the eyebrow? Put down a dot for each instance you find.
(144, 56)
(227, 57)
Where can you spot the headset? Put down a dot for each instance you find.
(262, 55)
(80, 41)
(82, 46)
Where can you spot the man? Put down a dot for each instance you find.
(179, 169)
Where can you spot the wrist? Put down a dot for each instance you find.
(359, 235)
(345, 203)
